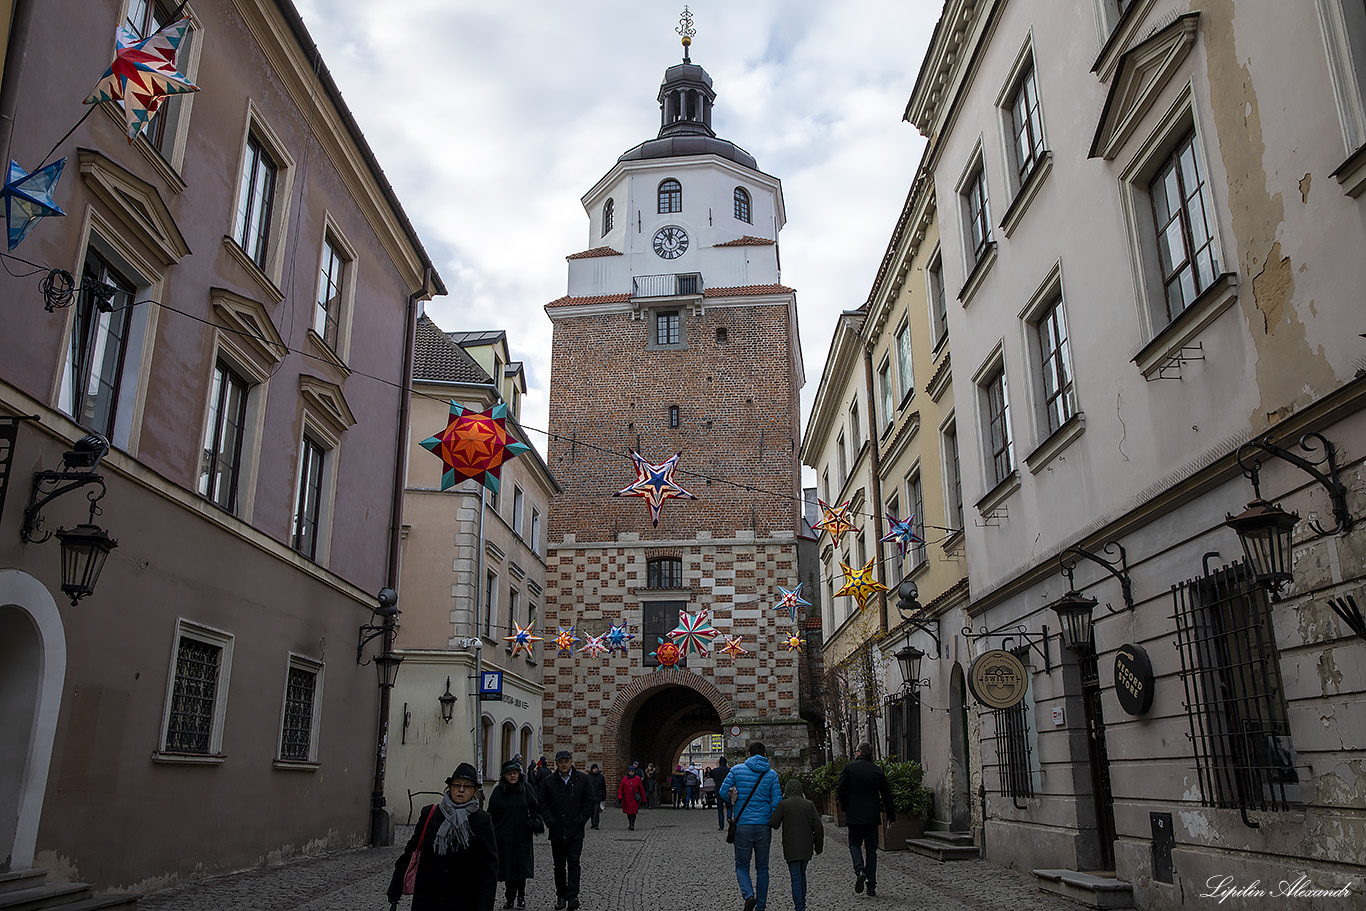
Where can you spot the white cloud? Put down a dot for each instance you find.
(491, 120)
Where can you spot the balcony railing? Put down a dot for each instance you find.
(689, 284)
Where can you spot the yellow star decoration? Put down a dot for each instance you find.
(794, 644)
(860, 584)
(834, 519)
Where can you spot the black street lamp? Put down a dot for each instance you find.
(447, 700)
(1075, 617)
(909, 657)
(84, 550)
(1264, 530)
(85, 547)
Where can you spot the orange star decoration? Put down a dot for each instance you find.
(834, 519)
(474, 445)
(733, 647)
(794, 644)
(521, 639)
(860, 584)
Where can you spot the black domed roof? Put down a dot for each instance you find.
(680, 146)
(685, 102)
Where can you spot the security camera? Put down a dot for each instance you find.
(476, 643)
(388, 602)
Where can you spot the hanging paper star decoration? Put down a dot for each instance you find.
(693, 632)
(655, 484)
(792, 599)
(667, 654)
(834, 519)
(565, 640)
(902, 533)
(475, 444)
(522, 638)
(28, 197)
(594, 646)
(143, 74)
(618, 638)
(860, 584)
(733, 647)
(794, 643)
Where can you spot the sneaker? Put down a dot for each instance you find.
(872, 891)
(858, 882)
(521, 901)
(560, 904)
(751, 902)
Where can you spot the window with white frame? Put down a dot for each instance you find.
(196, 691)
(939, 313)
(513, 597)
(825, 485)
(884, 386)
(535, 530)
(1057, 396)
(490, 602)
(220, 471)
(844, 460)
(855, 431)
(309, 496)
(256, 201)
(976, 214)
(518, 507)
(1344, 33)
(163, 131)
(301, 716)
(100, 341)
(1185, 243)
(953, 477)
(333, 282)
(895, 570)
(1024, 122)
(915, 501)
(1000, 450)
(904, 369)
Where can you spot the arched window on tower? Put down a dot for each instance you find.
(742, 205)
(608, 210)
(670, 196)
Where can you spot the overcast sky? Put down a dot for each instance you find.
(493, 119)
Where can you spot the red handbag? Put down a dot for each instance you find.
(410, 875)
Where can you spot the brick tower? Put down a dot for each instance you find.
(675, 336)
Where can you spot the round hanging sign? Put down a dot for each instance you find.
(735, 730)
(997, 679)
(1133, 679)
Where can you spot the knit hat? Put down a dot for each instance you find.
(511, 765)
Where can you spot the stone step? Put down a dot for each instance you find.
(22, 879)
(1087, 889)
(941, 850)
(109, 902)
(963, 839)
(46, 895)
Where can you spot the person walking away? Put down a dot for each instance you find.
(651, 785)
(598, 782)
(723, 806)
(457, 851)
(631, 793)
(566, 804)
(511, 805)
(690, 781)
(803, 835)
(753, 787)
(858, 791)
(676, 786)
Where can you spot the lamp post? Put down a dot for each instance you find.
(386, 668)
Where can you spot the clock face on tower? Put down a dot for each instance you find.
(671, 242)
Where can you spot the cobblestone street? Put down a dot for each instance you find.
(673, 858)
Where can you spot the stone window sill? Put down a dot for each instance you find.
(998, 494)
(1028, 191)
(188, 758)
(978, 275)
(1056, 442)
(1159, 352)
(294, 765)
(272, 290)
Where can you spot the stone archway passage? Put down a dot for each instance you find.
(657, 714)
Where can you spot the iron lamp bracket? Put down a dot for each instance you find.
(1036, 641)
(1117, 567)
(1328, 477)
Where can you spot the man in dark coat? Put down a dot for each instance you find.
(566, 805)
(457, 851)
(597, 782)
(860, 786)
(723, 806)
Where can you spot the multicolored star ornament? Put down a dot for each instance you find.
(594, 646)
(792, 599)
(565, 640)
(475, 445)
(860, 584)
(693, 632)
(28, 197)
(794, 643)
(655, 484)
(143, 74)
(902, 533)
(667, 654)
(834, 519)
(618, 638)
(522, 638)
(733, 647)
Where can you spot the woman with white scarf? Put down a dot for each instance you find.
(457, 853)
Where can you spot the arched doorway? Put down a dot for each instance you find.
(32, 669)
(657, 715)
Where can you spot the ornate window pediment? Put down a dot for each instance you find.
(136, 204)
(1143, 72)
(250, 325)
(325, 401)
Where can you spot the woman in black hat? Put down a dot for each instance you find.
(457, 852)
(512, 805)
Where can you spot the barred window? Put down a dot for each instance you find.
(1231, 671)
(903, 727)
(296, 736)
(664, 572)
(1012, 750)
(196, 691)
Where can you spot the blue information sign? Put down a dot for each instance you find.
(491, 686)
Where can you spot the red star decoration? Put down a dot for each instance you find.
(475, 444)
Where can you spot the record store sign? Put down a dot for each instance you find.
(1133, 679)
(997, 679)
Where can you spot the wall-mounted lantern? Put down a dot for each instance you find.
(447, 700)
(85, 547)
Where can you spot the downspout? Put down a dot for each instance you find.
(875, 463)
(16, 52)
(479, 595)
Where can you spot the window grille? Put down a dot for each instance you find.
(190, 727)
(1234, 696)
(296, 738)
(903, 727)
(1012, 750)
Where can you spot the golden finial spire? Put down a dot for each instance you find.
(687, 31)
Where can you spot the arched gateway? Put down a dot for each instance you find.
(675, 337)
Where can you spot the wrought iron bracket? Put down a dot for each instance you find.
(923, 625)
(1126, 585)
(1347, 609)
(1332, 483)
(48, 486)
(1036, 641)
(369, 633)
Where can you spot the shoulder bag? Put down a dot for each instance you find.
(410, 875)
(735, 820)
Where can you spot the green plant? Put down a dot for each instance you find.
(821, 780)
(909, 794)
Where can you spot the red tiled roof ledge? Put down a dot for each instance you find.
(568, 301)
(749, 240)
(596, 251)
(747, 289)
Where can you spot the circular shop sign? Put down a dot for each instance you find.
(735, 730)
(997, 679)
(1133, 679)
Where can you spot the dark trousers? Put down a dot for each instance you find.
(722, 813)
(515, 888)
(860, 836)
(566, 856)
(597, 812)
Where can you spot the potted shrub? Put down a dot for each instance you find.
(819, 784)
(912, 801)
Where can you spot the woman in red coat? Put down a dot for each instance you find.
(631, 793)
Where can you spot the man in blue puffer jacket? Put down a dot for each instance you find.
(752, 788)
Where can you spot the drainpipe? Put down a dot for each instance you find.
(15, 55)
(479, 582)
(876, 464)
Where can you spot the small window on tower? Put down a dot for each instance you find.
(673, 415)
(670, 196)
(607, 212)
(742, 205)
(666, 327)
(721, 335)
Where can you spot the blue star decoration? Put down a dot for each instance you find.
(655, 484)
(618, 638)
(791, 599)
(28, 197)
(903, 533)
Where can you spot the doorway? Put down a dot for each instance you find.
(1102, 797)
